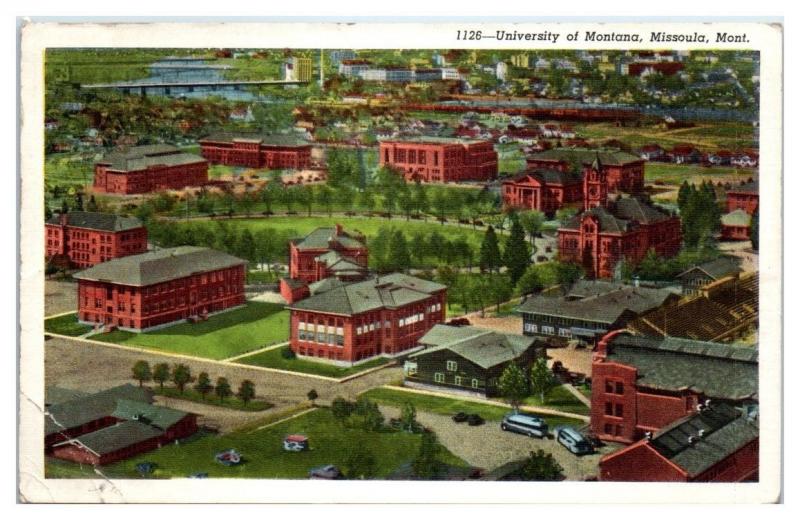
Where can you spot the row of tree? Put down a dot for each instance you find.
(700, 213)
(515, 384)
(181, 375)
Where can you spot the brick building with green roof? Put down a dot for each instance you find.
(346, 323)
(276, 151)
(440, 159)
(624, 171)
(159, 288)
(143, 169)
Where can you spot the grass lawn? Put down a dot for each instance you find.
(450, 406)
(66, 169)
(262, 276)
(561, 399)
(67, 325)
(222, 336)
(273, 359)
(234, 403)
(263, 454)
(675, 174)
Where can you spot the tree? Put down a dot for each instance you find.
(92, 204)
(161, 374)
(420, 199)
(399, 258)
(305, 196)
(361, 463)
(312, 396)
(223, 389)
(181, 375)
(247, 391)
(542, 379)
(341, 409)
(530, 282)
(141, 372)
(203, 385)
(513, 385)
(408, 417)
(517, 253)
(683, 194)
(500, 289)
(325, 197)
(564, 214)
(425, 465)
(441, 203)
(490, 258)
(541, 466)
(246, 246)
(754, 229)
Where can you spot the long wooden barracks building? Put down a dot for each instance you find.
(440, 159)
(82, 239)
(383, 316)
(143, 169)
(154, 289)
(277, 151)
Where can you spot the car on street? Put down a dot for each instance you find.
(460, 417)
(573, 440)
(525, 424)
(475, 420)
(328, 472)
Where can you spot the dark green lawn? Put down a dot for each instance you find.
(561, 399)
(67, 325)
(451, 406)
(224, 335)
(263, 454)
(274, 359)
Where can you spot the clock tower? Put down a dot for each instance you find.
(595, 185)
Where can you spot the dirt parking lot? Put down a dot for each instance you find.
(488, 447)
(59, 296)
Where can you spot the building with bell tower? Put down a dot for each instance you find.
(595, 185)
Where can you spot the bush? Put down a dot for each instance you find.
(288, 353)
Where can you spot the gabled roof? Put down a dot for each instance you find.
(716, 370)
(750, 187)
(607, 221)
(141, 157)
(264, 139)
(717, 268)
(580, 156)
(99, 221)
(160, 266)
(485, 348)
(338, 262)
(390, 291)
(632, 208)
(606, 306)
(115, 437)
(738, 218)
(725, 430)
(323, 237)
(548, 176)
(87, 408)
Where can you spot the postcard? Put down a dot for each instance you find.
(408, 262)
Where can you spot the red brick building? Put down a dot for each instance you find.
(543, 190)
(736, 225)
(440, 159)
(383, 316)
(718, 443)
(324, 253)
(257, 151)
(112, 425)
(83, 239)
(154, 289)
(610, 231)
(744, 197)
(143, 169)
(623, 171)
(641, 385)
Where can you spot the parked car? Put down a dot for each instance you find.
(199, 474)
(460, 417)
(295, 443)
(475, 420)
(573, 440)
(329, 472)
(525, 424)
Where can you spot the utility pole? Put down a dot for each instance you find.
(321, 69)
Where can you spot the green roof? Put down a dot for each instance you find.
(390, 291)
(738, 218)
(580, 156)
(158, 416)
(717, 268)
(116, 437)
(726, 430)
(715, 370)
(86, 408)
(159, 266)
(620, 214)
(99, 221)
(433, 140)
(142, 157)
(325, 237)
(485, 348)
(264, 139)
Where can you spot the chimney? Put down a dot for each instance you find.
(338, 230)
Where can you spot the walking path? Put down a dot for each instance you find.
(578, 394)
(254, 352)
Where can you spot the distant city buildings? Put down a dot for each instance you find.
(381, 316)
(82, 239)
(298, 69)
(277, 151)
(339, 55)
(439, 159)
(151, 290)
(143, 169)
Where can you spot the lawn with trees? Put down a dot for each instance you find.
(223, 335)
(357, 450)
(284, 359)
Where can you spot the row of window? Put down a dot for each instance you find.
(321, 337)
(457, 380)
(547, 329)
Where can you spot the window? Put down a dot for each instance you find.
(475, 383)
(620, 388)
(564, 333)
(531, 327)
(618, 410)
(548, 330)
(438, 377)
(452, 366)
(609, 408)
(458, 380)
